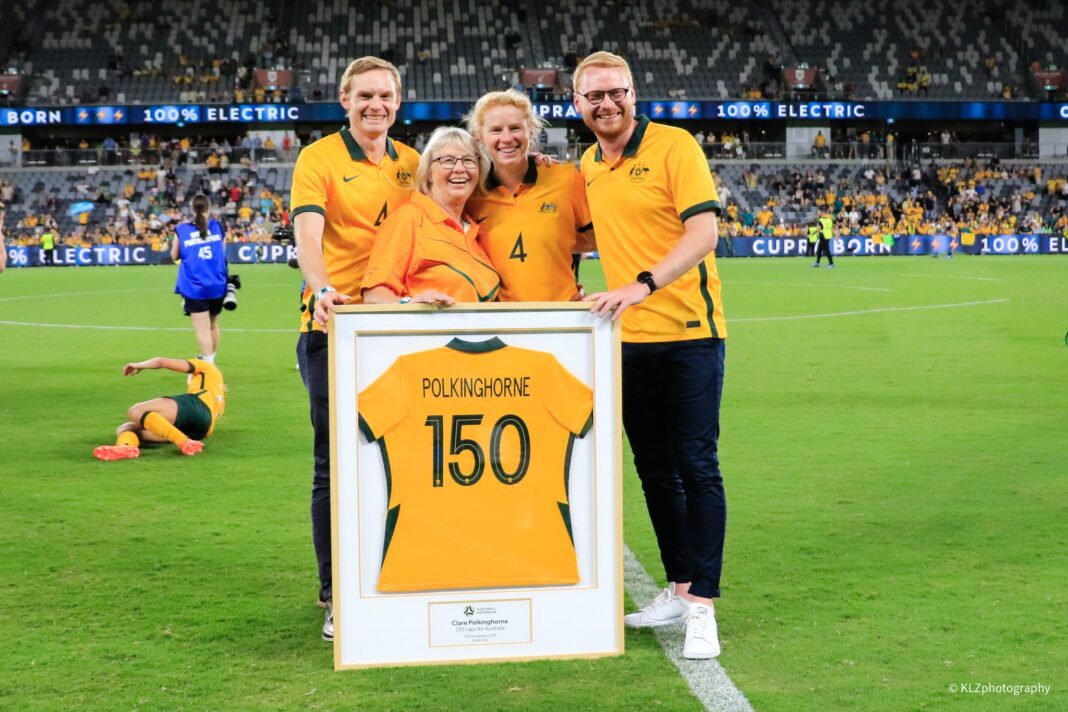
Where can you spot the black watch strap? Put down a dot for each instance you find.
(646, 278)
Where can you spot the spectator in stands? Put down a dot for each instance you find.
(819, 146)
(334, 235)
(202, 274)
(517, 190)
(923, 82)
(407, 263)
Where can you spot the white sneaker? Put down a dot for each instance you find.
(667, 608)
(702, 636)
(328, 622)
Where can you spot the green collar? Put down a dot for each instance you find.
(531, 177)
(357, 153)
(632, 145)
(476, 347)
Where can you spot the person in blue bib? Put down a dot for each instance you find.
(198, 248)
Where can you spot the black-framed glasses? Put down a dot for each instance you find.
(449, 162)
(596, 96)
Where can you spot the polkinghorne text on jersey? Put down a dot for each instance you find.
(474, 387)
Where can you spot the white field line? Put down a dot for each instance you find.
(105, 327)
(951, 276)
(820, 285)
(735, 320)
(706, 678)
(862, 312)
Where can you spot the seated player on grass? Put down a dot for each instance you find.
(184, 419)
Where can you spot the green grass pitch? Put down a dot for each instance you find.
(893, 448)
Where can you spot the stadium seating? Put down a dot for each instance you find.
(456, 51)
(33, 188)
(773, 187)
(777, 183)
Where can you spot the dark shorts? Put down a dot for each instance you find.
(212, 306)
(194, 417)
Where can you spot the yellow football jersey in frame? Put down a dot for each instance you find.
(476, 441)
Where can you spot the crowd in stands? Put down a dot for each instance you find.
(956, 199)
(150, 149)
(141, 206)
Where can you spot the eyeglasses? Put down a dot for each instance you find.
(449, 162)
(596, 96)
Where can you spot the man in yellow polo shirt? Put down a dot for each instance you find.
(344, 186)
(654, 203)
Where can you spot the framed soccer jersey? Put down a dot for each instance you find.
(476, 484)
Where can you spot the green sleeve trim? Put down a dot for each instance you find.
(586, 427)
(565, 514)
(710, 306)
(708, 205)
(586, 228)
(392, 516)
(307, 209)
(366, 430)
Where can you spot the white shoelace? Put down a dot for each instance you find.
(663, 598)
(699, 625)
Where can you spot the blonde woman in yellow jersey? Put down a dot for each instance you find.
(184, 419)
(531, 217)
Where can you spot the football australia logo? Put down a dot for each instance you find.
(547, 207)
(638, 172)
(404, 178)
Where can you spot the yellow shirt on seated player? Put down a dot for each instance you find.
(183, 420)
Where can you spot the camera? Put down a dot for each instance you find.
(233, 283)
(283, 234)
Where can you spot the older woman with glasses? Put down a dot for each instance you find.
(427, 251)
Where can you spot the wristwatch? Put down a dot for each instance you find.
(646, 278)
(324, 290)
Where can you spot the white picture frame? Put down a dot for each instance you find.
(374, 628)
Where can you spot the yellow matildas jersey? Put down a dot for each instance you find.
(476, 439)
(335, 178)
(530, 235)
(639, 204)
(205, 382)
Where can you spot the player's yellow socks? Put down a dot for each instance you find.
(156, 424)
(128, 437)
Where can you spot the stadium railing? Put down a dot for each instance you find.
(197, 155)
